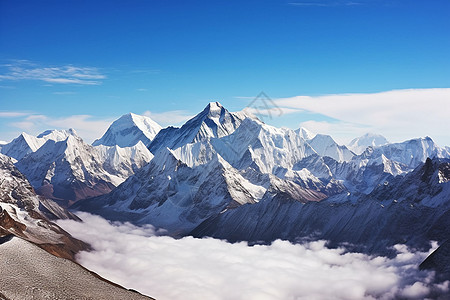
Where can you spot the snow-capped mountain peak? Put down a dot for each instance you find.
(128, 130)
(214, 107)
(305, 133)
(214, 121)
(359, 144)
(324, 145)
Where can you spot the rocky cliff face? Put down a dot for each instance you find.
(28, 216)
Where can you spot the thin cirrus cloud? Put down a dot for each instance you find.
(397, 114)
(66, 74)
(12, 114)
(172, 117)
(88, 127)
(189, 268)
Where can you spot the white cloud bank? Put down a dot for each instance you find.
(398, 114)
(189, 268)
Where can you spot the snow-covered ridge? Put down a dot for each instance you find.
(70, 169)
(128, 130)
(25, 143)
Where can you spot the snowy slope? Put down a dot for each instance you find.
(25, 143)
(359, 144)
(412, 209)
(124, 162)
(180, 188)
(128, 130)
(324, 145)
(263, 147)
(213, 121)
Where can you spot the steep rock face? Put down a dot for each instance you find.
(70, 170)
(324, 145)
(27, 215)
(128, 130)
(213, 121)
(25, 143)
(373, 223)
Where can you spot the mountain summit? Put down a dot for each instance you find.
(128, 130)
(214, 121)
(359, 144)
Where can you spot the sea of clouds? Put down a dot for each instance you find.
(141, 258)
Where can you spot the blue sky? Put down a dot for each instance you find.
(84, 63)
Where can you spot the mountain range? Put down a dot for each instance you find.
(231, 176)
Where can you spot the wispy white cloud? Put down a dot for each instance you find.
(88, 127)
(66, 74)
(166, 268)
(142, 90)
(340, 131)
(398, 114)
(172, 117)
(12, 114)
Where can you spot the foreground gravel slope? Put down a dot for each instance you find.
(28, 272)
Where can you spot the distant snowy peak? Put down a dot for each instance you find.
(214, 121)
(359, 144)
(25, 143)
(57, 135)
(305, 133)
(128, 130)
(410, 153)
(324, 145)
